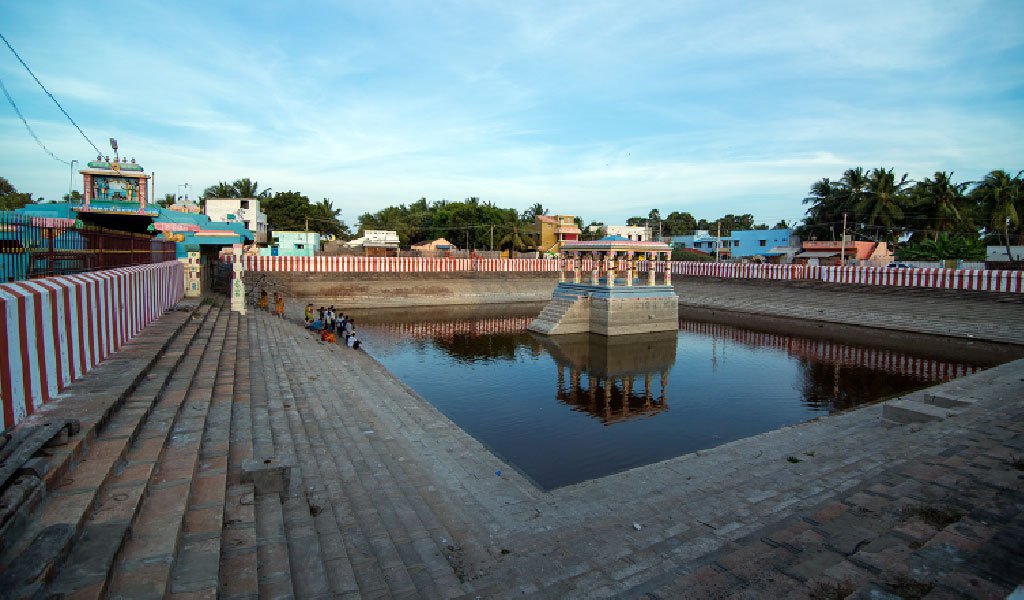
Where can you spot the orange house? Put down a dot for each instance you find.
(831, 253)
(555, 230)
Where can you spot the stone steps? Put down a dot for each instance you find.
(387, 542)
(283, 521)
(131, 538)
(91, 505)
(240, 550)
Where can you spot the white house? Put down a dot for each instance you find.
(377, 242)
(630, 232)
(241, 210)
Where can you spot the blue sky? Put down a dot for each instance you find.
(599, 109)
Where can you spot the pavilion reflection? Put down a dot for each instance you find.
(613, 378)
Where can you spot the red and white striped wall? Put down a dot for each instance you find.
(393, 264)
(997, 281)
(953, 279)
(58, 328)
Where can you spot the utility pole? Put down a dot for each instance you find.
(307, 233)
(718, 249)
(492, 238)
(842, 244)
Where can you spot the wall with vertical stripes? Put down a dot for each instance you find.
(964, 279)
(58, 328)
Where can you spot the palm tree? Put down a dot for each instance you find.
(222, 189)
(247, 188)
(823, 198)
(999, 194)
(942, 203)
(852, 187)
(883, 200)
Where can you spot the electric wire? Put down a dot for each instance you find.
(29, 127)
(16, 55)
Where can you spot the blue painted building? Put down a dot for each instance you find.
(746, 243)
(293, 243)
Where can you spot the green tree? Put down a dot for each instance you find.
(246, 188)
(825, 206)
(12, 199)
(75, 196)
(999, 196)
(945, 247)
(679, 223)
(167, 200)
(221, 189)
(881, 205)
(940, 205)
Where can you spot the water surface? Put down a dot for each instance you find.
(564, 409)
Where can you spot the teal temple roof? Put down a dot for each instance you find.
(235, 232)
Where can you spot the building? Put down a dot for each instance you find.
(629, 232)
(438, 246)
(834, 253)
(555, 230)
(244, 210)
(750, 244)
(293, 243)
(116, 195)
(376, 242)
(996, 258)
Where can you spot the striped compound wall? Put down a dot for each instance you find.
(994, 281)
(58, 328)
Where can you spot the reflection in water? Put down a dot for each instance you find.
(620, 373)
(564, 409)
(835, 353)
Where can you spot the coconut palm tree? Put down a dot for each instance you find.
(942, 204)
(883, 200)
(246, 188)
(823, 198)
(999, 194)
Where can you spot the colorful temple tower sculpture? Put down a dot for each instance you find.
(115, 186)
(611, 299)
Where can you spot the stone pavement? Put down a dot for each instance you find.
(992, 316)
(168, 496)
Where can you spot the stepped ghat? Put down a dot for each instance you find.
(606, 303)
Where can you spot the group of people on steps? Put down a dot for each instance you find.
(333, 325)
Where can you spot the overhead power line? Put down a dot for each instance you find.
(29, 127)
(13, 51)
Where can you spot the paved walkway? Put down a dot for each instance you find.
(388, 498)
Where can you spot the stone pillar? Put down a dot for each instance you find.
(668, 270)
(611, 269)
(629, 269)
(595, 274)
(561, 269)
(664, 384)
(577, 262)
(238, 284)
(652, 265)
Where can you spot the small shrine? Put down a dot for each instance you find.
(610, 287)
(116, 194)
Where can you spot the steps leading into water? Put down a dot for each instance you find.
(367, 532)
